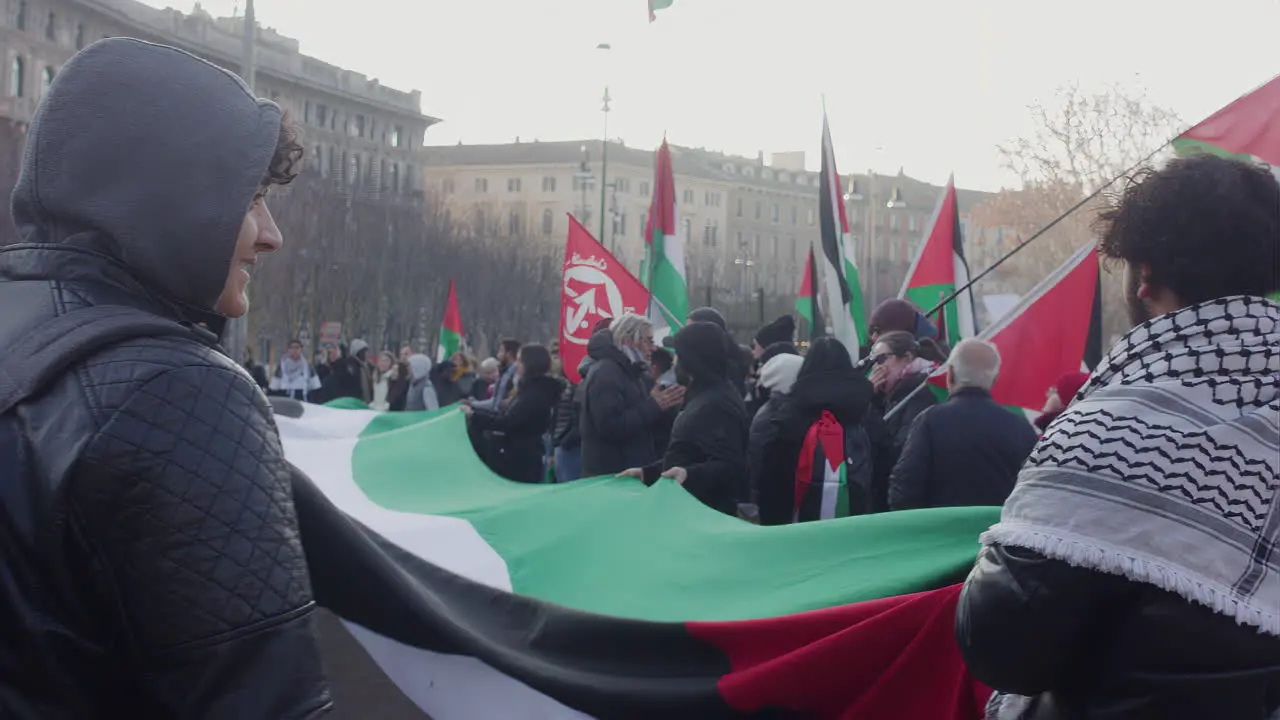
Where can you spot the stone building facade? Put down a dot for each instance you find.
(366, 137)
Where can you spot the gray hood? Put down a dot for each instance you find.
(151, 156)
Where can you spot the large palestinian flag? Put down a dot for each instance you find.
(1053, 330)
(476, 597)
(1247, 129)
(939, 269)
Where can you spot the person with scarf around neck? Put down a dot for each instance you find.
(1135, 570)
(619, 415)
(707, 452)
(294, 377)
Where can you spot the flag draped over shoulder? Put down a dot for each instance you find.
(450, 328)
(595, 286)
(1054, 329)
(478, 597)
(664, 271)
(939, 269)
(839, 273)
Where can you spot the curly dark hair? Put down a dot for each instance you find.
(287, 160)
(1205, 227)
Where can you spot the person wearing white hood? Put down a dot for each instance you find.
(422, 395)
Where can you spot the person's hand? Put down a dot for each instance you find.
(634, 473)
(678, 474)
(879, 377)
(468, 411)
(466, 402)
(668, 398)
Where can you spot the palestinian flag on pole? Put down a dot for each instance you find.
(655, 5)
(939, 268)
(476, 597)
(839, 273)
(451, 328)
(1055, 329)
(664, 272)
(1247, 129)
(806, 300)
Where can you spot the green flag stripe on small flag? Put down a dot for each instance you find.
(450, 328)
(664, 264)
(804, 298)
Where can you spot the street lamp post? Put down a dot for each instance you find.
(604, 163)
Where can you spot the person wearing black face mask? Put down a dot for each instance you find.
(707, 452)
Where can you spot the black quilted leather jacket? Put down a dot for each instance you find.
(1084, 645)
(150, 562)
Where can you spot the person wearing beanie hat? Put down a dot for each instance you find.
(892, 315)
(781, 330)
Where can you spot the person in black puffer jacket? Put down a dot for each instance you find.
(826, 382)
(518, 432)
(151, 554)
(707, 454)
(618, 416)
(777, 375)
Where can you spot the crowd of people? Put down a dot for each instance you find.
(730, 423)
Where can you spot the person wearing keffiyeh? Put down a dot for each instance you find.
(1135, 570)
(294, 377)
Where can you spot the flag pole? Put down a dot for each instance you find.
(967, 287)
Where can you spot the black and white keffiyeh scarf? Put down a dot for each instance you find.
(1164, 470)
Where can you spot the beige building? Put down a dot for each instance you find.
(749, 222)
(365, 136)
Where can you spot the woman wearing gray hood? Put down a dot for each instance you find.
(422, 394)
(148, 536)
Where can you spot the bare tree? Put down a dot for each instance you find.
(1081, 144)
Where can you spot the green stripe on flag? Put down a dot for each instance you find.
(856, 309)
(450, 342)
(804, 308)
(614, 546)
(926, 297)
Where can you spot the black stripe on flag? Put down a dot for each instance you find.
(1093, 347)
(605, 666)
(828, 218)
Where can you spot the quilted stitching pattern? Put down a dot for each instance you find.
(186, 493)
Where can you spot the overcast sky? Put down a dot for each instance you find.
(931, 86)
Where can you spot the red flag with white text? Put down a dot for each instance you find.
(596, 286)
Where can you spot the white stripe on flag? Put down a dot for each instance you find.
(447, 687)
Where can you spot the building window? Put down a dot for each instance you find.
(777, 213)
(711, 236)
(317, 159)
(548, 219)
(623, 185)
(622, 224)
(395, 178)
(737, 238)
(644, 188)
(513, 223)
(22, 15)
(397, 135)
(755, 245)
(46, 79)
(482, 185)
(16, 77)
(322, 115)
(80, 37)
(811, 216)
(688, 196)
(480, 220)
(893, 222)
(795, 215)
(333, 160)
(51, 27)
(853, 216)
(911, 223)
(447, 187)
(739, 207)
(759, 209)
(356, 129)
(355, 169)
(548, 184)
(513, 185)
(688, 229)
(775, 248)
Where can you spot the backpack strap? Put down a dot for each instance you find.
(46, 352)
